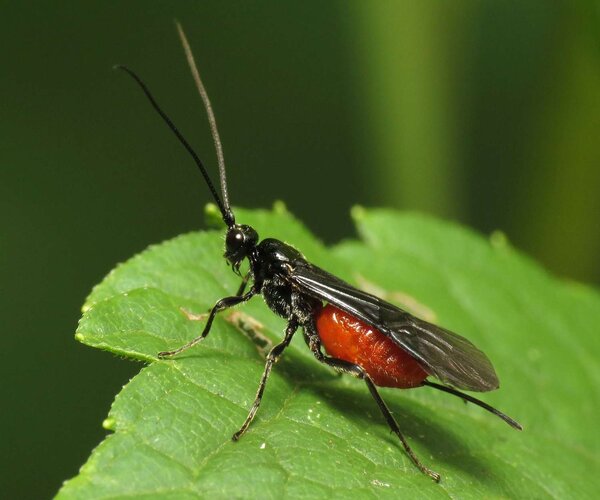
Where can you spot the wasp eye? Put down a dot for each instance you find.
(234, 240)
(239, 242)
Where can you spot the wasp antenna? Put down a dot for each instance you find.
(476, 401)
(211, 117)
(226, 212)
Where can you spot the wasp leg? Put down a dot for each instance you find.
(314, 343)
(199, 317)
(243, 284)
(222, 304)
(272, 358)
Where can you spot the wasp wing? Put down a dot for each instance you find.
(443, 354)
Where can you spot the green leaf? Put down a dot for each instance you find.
(321, 435)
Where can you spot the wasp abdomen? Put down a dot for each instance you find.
(350, 339)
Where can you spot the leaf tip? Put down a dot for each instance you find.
(212, 215)
(358, 212)
(79, 337)
(279, 207)
(109, 424)
(498, 239)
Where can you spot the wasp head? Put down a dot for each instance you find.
(239, 243)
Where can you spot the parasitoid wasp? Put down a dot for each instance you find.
(363, 335)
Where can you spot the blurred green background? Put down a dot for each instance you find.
(483, 112)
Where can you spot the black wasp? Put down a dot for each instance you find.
(363, 335)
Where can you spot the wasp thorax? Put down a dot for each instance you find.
(239, 242)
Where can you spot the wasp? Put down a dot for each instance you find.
(347, 329)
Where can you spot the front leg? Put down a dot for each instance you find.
(199, 317)
(272, 358)
(243, 283)
(222, 304)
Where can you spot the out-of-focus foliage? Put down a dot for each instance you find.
(490, 112)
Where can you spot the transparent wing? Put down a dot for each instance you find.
(443, 354)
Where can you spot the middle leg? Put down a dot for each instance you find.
(272, 358)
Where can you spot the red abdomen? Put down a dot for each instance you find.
(350, 339)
